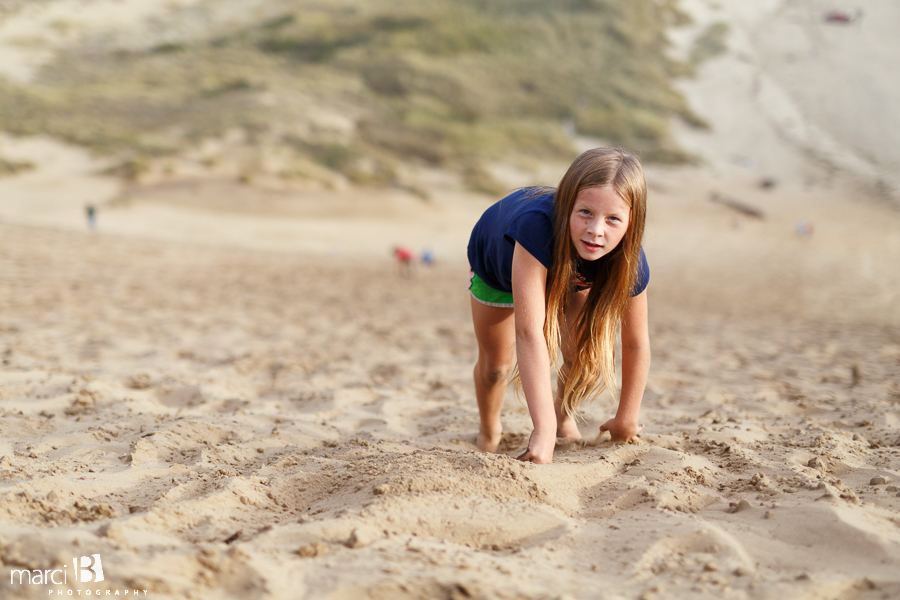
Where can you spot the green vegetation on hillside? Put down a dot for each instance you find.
(711, 43)
(444, 82)
(12, 167)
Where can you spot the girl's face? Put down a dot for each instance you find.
(598, 222)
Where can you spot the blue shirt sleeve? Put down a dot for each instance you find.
(534, 232)
(643, 275)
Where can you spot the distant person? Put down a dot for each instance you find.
(428, 258)
(842, 16)
(91, 213)
(404, 258)
(804, 228)
(572, 259)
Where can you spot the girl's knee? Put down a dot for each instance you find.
(493, 374)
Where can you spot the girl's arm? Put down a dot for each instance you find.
(635, 367)
(529, 278)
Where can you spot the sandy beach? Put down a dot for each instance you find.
(230, 391)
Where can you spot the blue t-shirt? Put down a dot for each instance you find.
(526, 218)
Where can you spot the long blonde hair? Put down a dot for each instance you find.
(593, 365)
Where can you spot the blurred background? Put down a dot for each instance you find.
(308, 126)
(344, 90)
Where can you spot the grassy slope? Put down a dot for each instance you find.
(446, 82)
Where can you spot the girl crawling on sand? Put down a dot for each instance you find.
(572, 259)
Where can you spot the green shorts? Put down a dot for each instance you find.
(485, 294)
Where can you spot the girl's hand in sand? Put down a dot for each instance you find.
(621, 431)
(540, 449)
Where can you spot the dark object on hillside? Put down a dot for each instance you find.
(233, 537)
(767, 183)
(842, 16)
(746, 209)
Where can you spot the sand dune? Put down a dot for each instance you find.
(796, 97)
(160, 399)
(224, 405)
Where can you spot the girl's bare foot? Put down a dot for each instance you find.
(488, 443)
(567, 429)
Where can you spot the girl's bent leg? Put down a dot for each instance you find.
(566, 427)
(496, 335)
